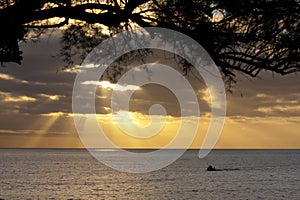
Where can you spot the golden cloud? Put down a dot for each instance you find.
(9, 97)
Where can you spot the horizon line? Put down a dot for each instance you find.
(116, 149)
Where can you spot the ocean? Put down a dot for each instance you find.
(75, 174)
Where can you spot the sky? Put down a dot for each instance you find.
(36, 108)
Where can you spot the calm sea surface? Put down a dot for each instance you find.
(75, 174)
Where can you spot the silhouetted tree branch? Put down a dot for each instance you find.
(246, 36)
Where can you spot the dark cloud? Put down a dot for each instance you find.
(34, 133)
(268, 91)
(40, 77)
(40, 73)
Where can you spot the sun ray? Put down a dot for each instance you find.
(49, 121)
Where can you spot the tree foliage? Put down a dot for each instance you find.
(240, 35)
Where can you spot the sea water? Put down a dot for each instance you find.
(75, 174)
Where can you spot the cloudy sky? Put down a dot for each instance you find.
(36, 108)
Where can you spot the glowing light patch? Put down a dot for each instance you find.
(8, 97)
(108, 85)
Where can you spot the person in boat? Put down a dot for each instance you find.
(210, 168)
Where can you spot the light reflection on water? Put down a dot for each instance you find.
(74, 174)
